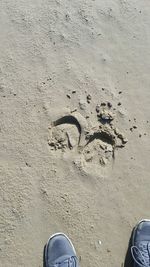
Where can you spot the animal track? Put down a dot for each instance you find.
(97, 142)
(70, 119)
(78, 121)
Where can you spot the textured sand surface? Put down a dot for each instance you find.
(49, 48)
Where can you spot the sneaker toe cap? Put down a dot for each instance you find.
(142, 232)
(59, 246)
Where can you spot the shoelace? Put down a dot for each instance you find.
(71, 262)
(141, 257)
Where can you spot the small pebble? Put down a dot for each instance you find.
(119, 104)
(109, 104)
(124, 140)
(98, 108)
(140, 135)
(27, 164)
(134, 127)
(74, 91)
(103, 104)
(68, 96)
(120, 92)
(89, 98)
(73, 110)
(106, 116)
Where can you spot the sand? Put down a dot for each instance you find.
(72, 58)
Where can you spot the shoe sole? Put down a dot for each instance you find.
(135, 229)
(51, 237)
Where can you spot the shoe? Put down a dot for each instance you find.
(140, 249)
(59, 251)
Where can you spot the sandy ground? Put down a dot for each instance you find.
(48, 50)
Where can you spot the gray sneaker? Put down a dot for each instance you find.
(60, 252)
(140, 249)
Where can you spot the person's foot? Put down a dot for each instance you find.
(59, 251)
(140, 249)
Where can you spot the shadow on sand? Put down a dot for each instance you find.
(128, 258)
(44, 265)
